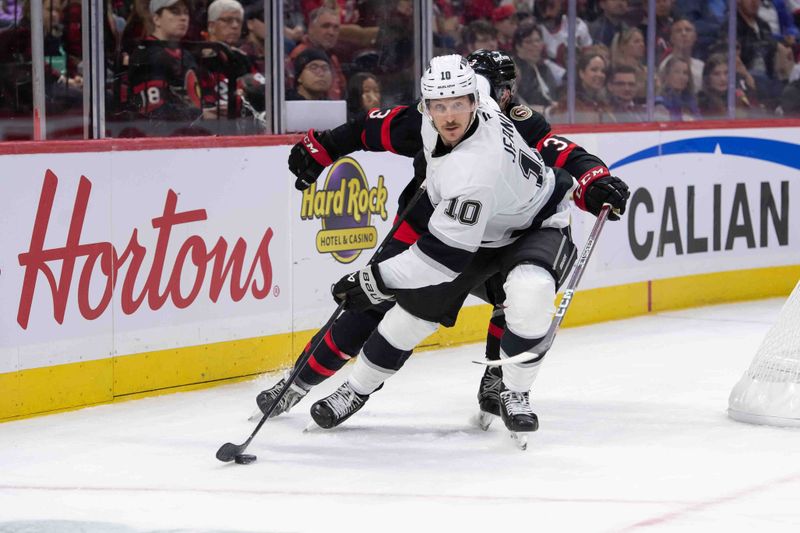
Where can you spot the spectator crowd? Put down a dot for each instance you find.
(194, 67)
(691, 79)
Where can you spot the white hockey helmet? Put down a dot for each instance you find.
(448, 77)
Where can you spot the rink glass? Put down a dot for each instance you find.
(392, 40)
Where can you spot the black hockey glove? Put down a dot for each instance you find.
(310, 156)
(607, 190)
(361, 290)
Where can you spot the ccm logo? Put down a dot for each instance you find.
(310, 145)
(593, 174)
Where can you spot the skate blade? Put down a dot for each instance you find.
(256, 416)
(311, 427)
(484, 420)
(520, 439)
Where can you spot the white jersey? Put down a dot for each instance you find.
(555, 42)
(484, 192)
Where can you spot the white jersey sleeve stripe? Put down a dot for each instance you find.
(450, 242)
(413, 269)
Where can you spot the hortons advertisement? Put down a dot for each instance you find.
(116, 253)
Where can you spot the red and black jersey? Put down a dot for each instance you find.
(398, 130)
(220, 65)
(164, 81)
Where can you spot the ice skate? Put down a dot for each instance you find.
(332, 410)
(489, 396)
(519, 418)
(266, 397)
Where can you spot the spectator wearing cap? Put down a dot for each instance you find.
(163, 76)
(478, 35)
(323, 34)
(504, 19)
(313, 75)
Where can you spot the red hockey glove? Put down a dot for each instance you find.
(361, 290)
(310, 156)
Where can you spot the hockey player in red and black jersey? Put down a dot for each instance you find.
(399, 130)
(163, 76)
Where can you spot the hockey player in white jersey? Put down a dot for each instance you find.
(496, 209)
(399, 130)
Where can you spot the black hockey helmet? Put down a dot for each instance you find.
(497, 67)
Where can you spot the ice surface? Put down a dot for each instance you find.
(633, 437)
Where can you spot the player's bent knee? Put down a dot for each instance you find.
(403, 330)
(530, 292)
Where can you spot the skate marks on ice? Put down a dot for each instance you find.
(76, 526)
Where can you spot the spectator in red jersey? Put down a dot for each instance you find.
(323, 33)
(163, 76)
(223, 63)
(504, 19)
(347, 8)
(225, 20)
(553, 15)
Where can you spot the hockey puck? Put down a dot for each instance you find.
(244, 459)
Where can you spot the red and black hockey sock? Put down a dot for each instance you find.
(497, 325)
(342, 342)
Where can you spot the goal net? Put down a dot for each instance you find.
(769, 392)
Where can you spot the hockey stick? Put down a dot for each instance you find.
(228, 451)
(566, 299)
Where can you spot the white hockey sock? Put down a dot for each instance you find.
(520, 378)
(366, 377)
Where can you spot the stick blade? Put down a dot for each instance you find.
(228, 452)
(524, 357)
